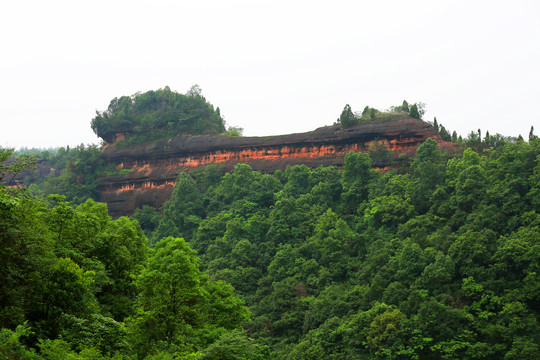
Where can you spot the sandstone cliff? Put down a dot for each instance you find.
(151, 170)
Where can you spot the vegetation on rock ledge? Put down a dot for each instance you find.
(154, 115)
(349, 118)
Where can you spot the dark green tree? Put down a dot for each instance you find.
(413, 112)
(429, 170)
(347, 117)
(176, 303)
(184, 209)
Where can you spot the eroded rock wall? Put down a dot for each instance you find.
(151, 170)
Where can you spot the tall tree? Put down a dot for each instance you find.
(177, 305)
(347, 117)
(413, 112)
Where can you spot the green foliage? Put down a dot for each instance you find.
(413, 112)
(404, 107)
(177, 305)
(235, 345)
(74, 173)
(147, 218)
(428, 170)
(67, 274)
(157, 114)
(437, 262)
(11, 346)
(183, 211)
(235, 131)
(355, 179)
(12, 168)
(347, 118)
(67, 271)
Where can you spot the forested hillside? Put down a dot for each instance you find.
(435, 260)
(75, 284)
(439, 260)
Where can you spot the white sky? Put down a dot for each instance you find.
(273, 67)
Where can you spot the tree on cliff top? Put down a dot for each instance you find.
(414, 112)
(158, 114)
(347, 117)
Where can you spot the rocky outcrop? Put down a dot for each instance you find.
(148, 173)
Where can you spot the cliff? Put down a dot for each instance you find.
(149, 172)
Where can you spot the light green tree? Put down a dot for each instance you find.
(177, 307)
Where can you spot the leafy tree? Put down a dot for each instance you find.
(175, 302)
(235, 345)
(147, 217)
(11, 346)
(184, 209)
(172, 297)
(355, 180)
(428, 168)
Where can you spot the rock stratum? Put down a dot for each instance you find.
(148, 172)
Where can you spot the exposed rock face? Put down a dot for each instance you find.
(153, 168)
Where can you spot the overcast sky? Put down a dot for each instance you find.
(273, 67)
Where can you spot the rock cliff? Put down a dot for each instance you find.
(148, 172)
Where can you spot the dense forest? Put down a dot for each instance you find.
(438, 258)
(439, 261)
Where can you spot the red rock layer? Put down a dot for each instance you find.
(153, 168)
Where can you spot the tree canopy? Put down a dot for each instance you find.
(435, 259)
(156, 114)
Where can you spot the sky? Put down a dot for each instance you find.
(272, 67)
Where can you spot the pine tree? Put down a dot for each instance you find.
(405, 106)
(347, 118)
(414, 112)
